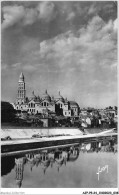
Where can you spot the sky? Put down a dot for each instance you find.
(66, 46)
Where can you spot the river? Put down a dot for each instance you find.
(74, 166)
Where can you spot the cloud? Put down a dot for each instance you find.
(18, 14)
(102, 8)
(70, 16)
(11, 15)
(114, 66)
(92, 9)
(92, 44)
(76, 52)
(84, 58)
(16, 65)
(30, 16)
(92, 51)
(47, 11)
(115, 24)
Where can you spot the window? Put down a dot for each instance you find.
(44, 103)
(61, 105)
(65, 113)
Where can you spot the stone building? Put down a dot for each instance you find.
(44, 104)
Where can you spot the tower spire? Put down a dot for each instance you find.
(21, 93)
(21, 77)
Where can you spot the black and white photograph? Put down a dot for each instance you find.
(59, 97)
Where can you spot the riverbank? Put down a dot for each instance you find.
(26, 132)
(43, 132)
(9, 147)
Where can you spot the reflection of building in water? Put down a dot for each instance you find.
(90, 147)
(94, 146)
(62, 157)
(59, 159)
(19, 171)
(7, 164)
(73, 155)
(98, 146)
(51, 157)
(45, 162)
(33, 159)
(86, 147)
(48, 158)
(31, 156)
(44, 159)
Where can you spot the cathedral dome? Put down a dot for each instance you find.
(73, 103)
(21, 77)
(73, 158)
(46, 96)
(59, 97)
(38, 98)
(33, 97)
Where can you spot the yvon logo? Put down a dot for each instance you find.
(100, 170)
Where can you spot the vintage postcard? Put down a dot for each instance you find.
(59, 99)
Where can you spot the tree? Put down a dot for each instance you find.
(58, 110)
(7, 112)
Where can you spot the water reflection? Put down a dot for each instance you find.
(48, 158)
(52, 157)
(104, 146)
(19, 168)
(7, 164)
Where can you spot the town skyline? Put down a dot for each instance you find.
(39, 95)
(69, 47)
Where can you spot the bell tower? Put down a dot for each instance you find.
(21, 93)
(19, 168)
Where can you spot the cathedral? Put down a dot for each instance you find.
(45, 103)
